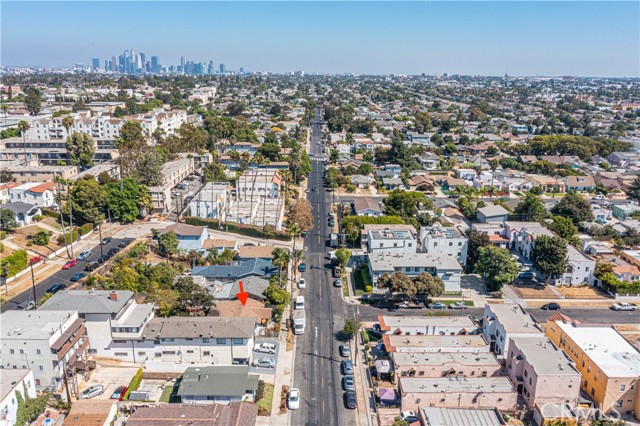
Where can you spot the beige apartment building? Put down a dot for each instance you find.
(445, 364)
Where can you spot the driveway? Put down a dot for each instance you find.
(258, 355)
(110, 378)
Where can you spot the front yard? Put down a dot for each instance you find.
(534, 291)
(584, 292)
(264, 398)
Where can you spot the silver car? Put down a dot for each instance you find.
(91, 392)
(264, 363)
(348, 383)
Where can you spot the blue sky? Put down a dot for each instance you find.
(484, 38)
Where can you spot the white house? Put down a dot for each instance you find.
(211, 201)
(12, 381)
(189, 237)
(41, 194)
(466, 174)
(503, 321)
(391, 241)
(447, 268)
(442, 240)
(580, 270)
(417, 326)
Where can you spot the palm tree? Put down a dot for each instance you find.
(297, 255)
(280, 258)
(67, 122)
(5, 111)
(246, 158)
(493, 164)
(23, 126)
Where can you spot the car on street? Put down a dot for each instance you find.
(77, 277)
(330, 216)
(409, 416)
(182, 186)
(302, 283)
(337, 272)
(103, 258)
(551, 306)
(410, 304)
(85, 254)
(70, 264)
(265, 347)
(27, 306)
(436, 305)
(346, 366)
(106, 240)
(91, 392)
(350, 399)
(345, 351)
(113, 251)
(306, 190)
(124, 243)
(56, 288)
(348, 383)
(304, 234)
(457, 305)
(293, 399)
(302, 267)
(332, 222)
(264, 363)
(624, 306)
(90, 266)
(526, 275)
(338, 282)
(119, 393)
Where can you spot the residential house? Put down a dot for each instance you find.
(239, 269)
(495, 233)
(361, 181)
(457, 392)
(416, 326)
(547, 183)
(36, 193)
(218, 245)
(449, 184)
(501, 322)
(189, 237)
(232, 414)
(47, 342)
(255, 252)
(34, 172)
(173, 172)
(218, 385)
(365, 206)
(466, 174)
(623, 211)
(580, 183)
(364, 232)
(23, 212)
(4, 191)
(492, 213)
(391, 183)
(446, 268)
(468, 343)
(445, 364)
(623, 159)
(580, 270)
(14, 382)
(253, 308)
(440, 416)
(391, 241)
(422, 183)
(608, 363)
(92, 412)
(442, 240)
(542, 373)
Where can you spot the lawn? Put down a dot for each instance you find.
(358, 282)
(345, 287)
(169, 394)
(266, 398)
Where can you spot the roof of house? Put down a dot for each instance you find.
(87, 301)
(580, 181)
(389, 323)
(512, 317)
(182, 229)
(10, 378)
(18, 207)
(456, 385)
(422, 359)
(219, 243)
(544, 356)
(261, 252)
(199, 327)
(242, 268)
(441, 416)
(233, 414)
(234, 308)
(366, 203)
(393, 341)
(90, 412)
(218, 380)
(382, 261)
(46, 186)
(493, 210)
(32, 325)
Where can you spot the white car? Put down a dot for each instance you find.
(409, 416)
(624, 306)
(302, 283)
(91, 392)
(293, 399)
(265, 347)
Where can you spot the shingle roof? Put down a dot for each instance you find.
(233, 414)
(87, 301)
(195, 327)
(243, 268)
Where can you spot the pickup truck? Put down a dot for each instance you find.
(624, 306)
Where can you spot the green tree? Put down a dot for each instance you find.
(128, 204)
(399, 422)
(81, 148)
(633, 192)
(5, 175)
(497, 266)
(33, 101)
(280, 257)
(41, 238)
(564, 227)
(549, 256)
(405, 204)
(276, 295)
(422, 121)
(168, 243)
(531, 208)
(351, 328)
(575, 207)
(8, 220)
(428, 285)
(334, 154)
(475, 241)
(343, 256)
(148, 168)
(190, 295)
(397, 283)
(131, 144)
(88, 200)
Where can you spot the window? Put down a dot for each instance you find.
(205, 340)
(21, 351)
(593, 392)
(526, 373)
(459, 244)
(619, 403)
(41, 368)
(622, 388)
(238, 341)
(120, 354)
(450, 244)
(189, 351)
(595, 377)
(221, 341)
(206, 353)
(37, 382)
(38, 351)
(484, 374)
(11, 351)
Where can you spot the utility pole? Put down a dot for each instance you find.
(33, 285)
(100, 234)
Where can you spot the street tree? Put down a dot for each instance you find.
(549, 256)
(351, 328)
(343, 256)
(575, 207)
(428, 285)
(280, 257)
(81, 148)
(300, 214)
(475, 241)
(497, 266)
(397, 283)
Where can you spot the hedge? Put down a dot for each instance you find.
(85, 229)
(61, 239)
(50, 213)
(14, 263)
(134, 385)
(248, 230)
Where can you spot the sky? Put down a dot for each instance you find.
(475, 38)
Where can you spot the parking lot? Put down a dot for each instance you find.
(181, 199)
(259, 355)
(110, 378)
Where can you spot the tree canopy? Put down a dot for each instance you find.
(81, 148)
(575, 207)
(497, 266)
(549, 255)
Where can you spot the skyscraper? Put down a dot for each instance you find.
(114, 64)
(223, 69)
(182, 63)
(210, 68)
(95, 63)
(241, 70)
(155, 64)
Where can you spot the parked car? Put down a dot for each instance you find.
(119, 393)
(348, 383)
(124, 243)
(103, 258)
(56, 288)
(436, 305)
(264, 363)
(77, 277)
(113, 251)
(302, 283)
(85, 254)
(526, 275)
(551, 306)
(265, 347)
(345, 351)
(350, 399)
(410, 304)
(409, 416)
(304, 234)
(181, 186)
(90, 266)
(332, 222)
(624, 306)
(458, 305)
(346, 366)
(91, 392)
(337, 272)
(27, 306)
(70, 264)
(338, 282)
(106, 240)
(302, 267)
(293, 399)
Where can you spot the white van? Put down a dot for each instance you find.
(299, 303)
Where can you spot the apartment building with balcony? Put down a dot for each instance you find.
(501, 322)
(390, 240)
(442, 240)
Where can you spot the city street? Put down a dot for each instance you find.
(317, 363)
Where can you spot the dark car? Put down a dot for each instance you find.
(350, 399)
(103, 258)
(106, 240)
(90, 266)
(77, 277)
(113, 251)
(332, 222)
(56, 288)
(551, 307)
(124, 243)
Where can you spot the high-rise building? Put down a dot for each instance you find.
(95, 63)
(223, 69)
(114, 64)
(182, 62)
(155, 64)
(142, 60)
(241, 70)
(210, 68)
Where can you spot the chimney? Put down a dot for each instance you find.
(113, 295)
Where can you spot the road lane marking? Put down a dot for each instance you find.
(322, 406)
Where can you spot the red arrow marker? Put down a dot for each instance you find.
(243, 295)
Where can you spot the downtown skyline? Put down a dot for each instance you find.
(471, 38)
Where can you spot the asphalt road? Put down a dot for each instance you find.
(317, 363)
(62, 276)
